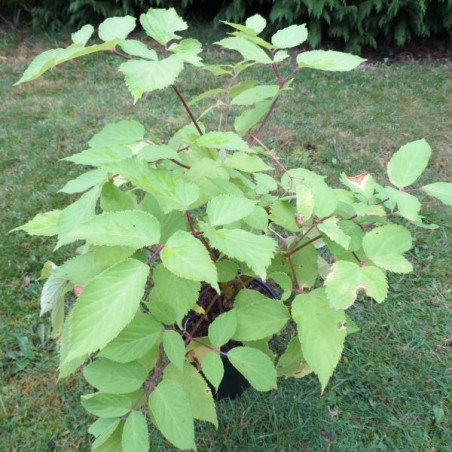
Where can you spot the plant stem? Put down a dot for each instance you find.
(298, 248)
(154, 254)
(263, 123)
(294, 275)
(270, 153)
(202, 318)
(180, 163)
(205, 345)
(187, 109)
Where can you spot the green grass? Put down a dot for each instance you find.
(393, 383)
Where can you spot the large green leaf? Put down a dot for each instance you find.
(289, 37)
(247, 49)
(116, 28)
(171, 412)
(100, 157)
(131, 228)
(135, 340)
(187, 50)
(409, 206)
(225, 209)
(346, 279)
(222, 140)
(145, 76)
(113, 442)
(115, 378)
(114, 199)
(250, 118)
(174, 347)
(197, 391)
(440, 190)
(138, 49)
(223, 328)
(106, 405)
(135, 435)
(385, 245)
(256, 23)
(331, 228)
(255, 366)
(185, 195)
(328, 60)
(322, 332)
(246, 162)
(106, 305)
(213, 368)
(255, 250)
(256, 94)
(82, 36)
(161, 24)
(85, 181)
(103, 429)
(186, 257)
(305, 265)
(408, 163)
(117, 133)
(42, 224)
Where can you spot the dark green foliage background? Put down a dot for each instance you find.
(352, 24)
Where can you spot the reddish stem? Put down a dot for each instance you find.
(298, 248)
(187, 109)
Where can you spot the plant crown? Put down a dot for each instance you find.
(209, 211)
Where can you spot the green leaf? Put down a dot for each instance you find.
(116, 28)
(135, 340)
(79, 269)
(408, 163)
(255, 250)
(40, 64)
(161, 24)
(223, 328)
(331, 228)
(222, 140)
(328, 60)
(52, 292)
(206, 95)
(131, 228)
(42, 224)
(409, 206)
(305, 201)
(171, 411)
(113, 442)
(227, 270)
(322, 332)
(135, 435)
(102, 429)
(250, 118)
(346, 279)
(225, 209)
(185, 195)
(198, 393)
(283, 213)
(248, 50)
(254, 95)
(106, 405)
(256, 23)
(292, 362)
(186, 257)
(114, 199)
(362, 183)
(440, 190)
(82, 36)
(255, 366)
(100, 157)
(187, 50)
(180, 293)
(113, 377)
(257, 219)
(145, 76)
(118, 133)
(174, 347)
(385, 245)
(154, 152)
(246, 162)
(260, 319)
(138, 49)
(85, 181)
(106, 305)
(305, 265)
(213, 368)
(290, 37)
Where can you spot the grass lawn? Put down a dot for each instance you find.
(391, 390)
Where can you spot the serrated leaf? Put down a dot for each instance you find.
(222, 140)
(331, 228)
(184, 196)
(79, 269)
(113, 377)
(289, 37)
(154, 152)
(135, 435)
(328, 60)
(283, 213)
(305, 201)
(135, 340)
(255, 366)
(42, 224)
(40, 64)
(225, 209)
(132, 228)
(82, 36)
(256, 94)
(408, 163)
(227, 270)
(145, 76)
(118, 133)
(161, 24)
(385, 245)
(248, 50)
(213, 368)
(250, 118)
(322, 332)
(256, 23)
(257, 219)
(260, 319)
(138, 49)
(255, 250)
(106, 405)
(440, 190)
(174, 347)
(246, 162)
(223, 328)
(52, 293)
(408, 205)
(197, 391)
(102, 429)
(374, 282)
(116, 28)
(113, 199)
(85, 181)
(187, 50)
(305, 265)
(106, 256)
(113, 442)
(186, 257)
(105, 306)
(100, 157)
(206, 95)
(292, 363)
(171, 411)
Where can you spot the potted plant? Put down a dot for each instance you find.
(175, 236)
